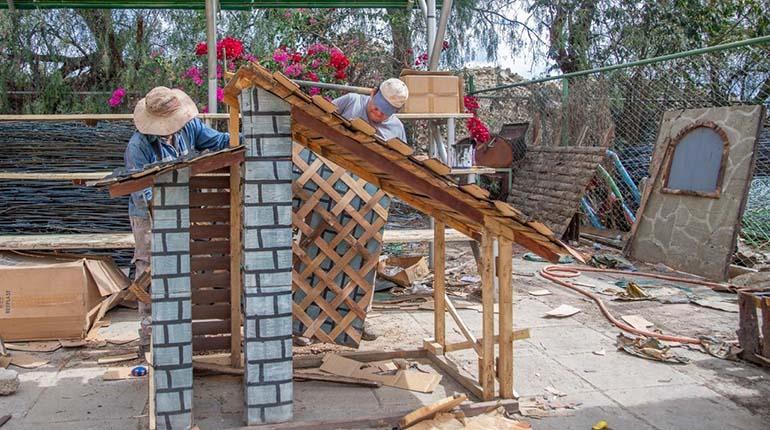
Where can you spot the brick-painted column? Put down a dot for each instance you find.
(267, 257)
(171, 313)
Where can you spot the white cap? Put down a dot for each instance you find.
(394, 90)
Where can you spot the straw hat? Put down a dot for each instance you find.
(163, 111)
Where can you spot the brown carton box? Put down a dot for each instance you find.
(432, 92)
(45, 297)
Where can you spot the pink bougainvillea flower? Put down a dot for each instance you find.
(194, 74)
(220, 94)
(471, 104)
(311, 76)
(314, 91)
(229, 47)
(340, 74)
(204, 109)
(219, 71)
(316, 63)
(251, 57)
(317, 48)
(280, 56)
(117, 97)
(201, 49)
(338, 60)
(293, 70)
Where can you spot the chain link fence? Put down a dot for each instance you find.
(621, 109)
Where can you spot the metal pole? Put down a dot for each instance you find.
(741, 43)
(211, 40)
(565, 112)
(424, 8)
(348, 88)
(438, 42)
(431, 24)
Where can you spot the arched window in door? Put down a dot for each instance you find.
(697, 161)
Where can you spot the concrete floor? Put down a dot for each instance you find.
(627, 392)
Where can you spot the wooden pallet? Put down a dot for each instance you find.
(340, 218)
(210, 261)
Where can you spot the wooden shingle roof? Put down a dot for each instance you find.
(390, 165)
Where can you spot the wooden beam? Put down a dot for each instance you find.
(67, 241)
(304, 362)
(236, 215)
(487, 358)
(505, 276)
(457, 373)
(216, 162)
(450, 307)
(53, 176)
(387, 167)
(439, 293)
(520, 334)
(429, 411)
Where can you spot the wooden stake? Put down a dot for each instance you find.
(429, 411)
(504, 273)
(235, 244)
(439, 263)
(487, 360)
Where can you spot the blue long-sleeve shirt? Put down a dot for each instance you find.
(144, 149)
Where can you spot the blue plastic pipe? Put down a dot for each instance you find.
(625, 176)
(591, 213)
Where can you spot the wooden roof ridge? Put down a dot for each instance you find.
(390, 164)
(123, 182)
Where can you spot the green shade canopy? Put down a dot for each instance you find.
(201, 4)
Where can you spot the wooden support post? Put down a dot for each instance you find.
(461, 324)
(439, 308)
(487, 359)
(235, 244)
(504, 273)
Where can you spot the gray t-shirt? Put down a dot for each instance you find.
(354, 106)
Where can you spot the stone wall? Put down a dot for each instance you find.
(267, 258)
(171, 313)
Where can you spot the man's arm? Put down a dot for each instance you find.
(205, 137)
(343, 102)
(135, 159)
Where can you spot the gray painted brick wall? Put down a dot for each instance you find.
(267, 258)
(171, 312)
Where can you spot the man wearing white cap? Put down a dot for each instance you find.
(168, 129)
(378, 108)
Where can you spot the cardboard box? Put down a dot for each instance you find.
(433, 92)
(47, 297)
(403, 270)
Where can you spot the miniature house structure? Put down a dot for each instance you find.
(225, 259)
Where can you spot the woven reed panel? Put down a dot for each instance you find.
(340, 219)
(549, 182)
(210, 261)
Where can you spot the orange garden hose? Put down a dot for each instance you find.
(558, 273)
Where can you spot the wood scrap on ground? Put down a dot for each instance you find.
(117, 358)
(562, 311)
(27, 361)
(47, 346)
(119, 373)
(429, 411)
(495, 419)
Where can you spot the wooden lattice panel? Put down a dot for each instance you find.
(340, 218)
(210, 261)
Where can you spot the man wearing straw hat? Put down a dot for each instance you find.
(168, 129)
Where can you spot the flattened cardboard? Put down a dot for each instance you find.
(27, 361)
(118, 373)
(405, 379)
(51, 297)
(34, 346)
(432, 92)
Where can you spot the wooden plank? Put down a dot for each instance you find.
(207, 280)
(210, 296)
(210, 343)
(363, 126)
(457, 373)
(218, 198)
(52, 176)
(439, 292)
(324, 104)
(421, 235)
(124, 188)
(475, 191)
(435, 165)
(505, 276)
(200, 263)
(450, 307)
(207, 247)
(459, 346)
(216, 311)
(236, 248)
(67, 241)
(748, 327)
(206, 214)
(209, 182)
(90, 117)
(397, 145)
(209, 231)
(211, 327)
(308, 361)
(487, 359)
(216, 162)
(429, 411)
